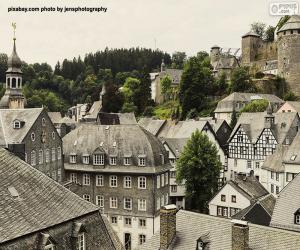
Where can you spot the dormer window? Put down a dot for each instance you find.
(98, 159)
(73, 158)
(142, 160)
(16, 124)
(127, 159)
(113, 160)
(297, 217)
(85, 159)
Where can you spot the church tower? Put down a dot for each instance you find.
(13, 97)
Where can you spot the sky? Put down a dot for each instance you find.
(169, 25)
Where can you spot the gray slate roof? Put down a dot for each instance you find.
(228, 103)
(288, 202)
(292, 24)
(295, 105)
(190, 226)
(94, 110)
(274, 162)
(151, 125)
(292, 155)
(9, 135)
(253, 124)
(42, 202)
(176, 145)
(250, 33)
(55, 117)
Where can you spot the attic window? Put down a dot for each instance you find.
(142, 160)
(293, 157)
(43, 122)
(297, 217)
(13, 192)
(17, 124)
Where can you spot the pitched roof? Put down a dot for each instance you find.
(176, 144)
(9, 135)
(292, 24)
(175, 74)
(250, 33)
(287, 203)
(151, 125)
(94, 110)
(39, 201)
(228, 103)
(274, 162)
(190, 226)
(116, 118)
(295, 105)
(55, 117)
(292, 154)
(253, 124)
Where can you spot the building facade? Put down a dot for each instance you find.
(125, 171)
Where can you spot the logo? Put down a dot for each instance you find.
(284, 8)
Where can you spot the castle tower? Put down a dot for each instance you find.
(214, 54)
(288, 40)
(13, 97)
(250, 46)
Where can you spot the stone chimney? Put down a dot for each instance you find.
(167, 225)
(240, 235)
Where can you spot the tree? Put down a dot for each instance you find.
(196, 84)
(240, 81)
(269, 34)
(282, 21)
(255, 106)
(178, 60)
(290, 96)
(258, 28)
(3, 67)
(200, 167)
(166, 83)
(233, 119)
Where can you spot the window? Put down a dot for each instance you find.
(219, 211)
(126, 161)
(264, 151)
(162, 180)
(240, 138)
(223, 197)
(157, 203)
(173, 174)
(142, 182)
(233, 211)
(162, 201)
(142, 239)
(267, 140)
(49, 246)
(297, 219)
(72, 158)
(167, 178)
(142, 204)
(257, 164)
(272, 175)
(41, 156)
(43, 122)
(142, 222)
(87, 197)
(53, 158)
(113, 181)
(98, 159)
(17, 124)
(53, 135)
(86, 180)
(127, 221)
(249, 165)
(85, 159)
(73, 177)
(81, 242)
(25, 157)
(59, 153)
(100, 200)
(99, 180)
(113, 202)
(48, 156)
(272, 188)
(158, 181)
(127, 182)
(233, 198)
(222, 211)
(277, 190)
(167, 199)
(113, 160)
(32, 136)
(114, 220)
(142, 161)
(127, 203)
(277, 176)
(33, 158)
(173, 188)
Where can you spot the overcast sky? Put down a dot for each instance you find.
(177, 25)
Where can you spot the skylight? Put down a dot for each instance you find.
(13, 192)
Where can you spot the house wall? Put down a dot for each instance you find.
(241, 201)
(286, 108)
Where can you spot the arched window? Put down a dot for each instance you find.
(33, 158)
(13, 84)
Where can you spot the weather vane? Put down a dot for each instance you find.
(14, 25)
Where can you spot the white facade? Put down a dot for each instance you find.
(286, 107)
(219, 206)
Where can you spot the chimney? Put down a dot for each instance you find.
(240, 235)
(167, 225)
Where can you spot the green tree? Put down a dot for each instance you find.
(240, 81)
(233, 119)
(178, 60)
(196, 84)
(200, 167)
(3, 67)
(269, 34)
(258, 28)
(255, 106)
(290, 96)
(166, 83)
(282, 21)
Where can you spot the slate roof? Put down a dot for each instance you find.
(228, 103)
(93, 112)
(116, 118)
(151, 125)
(225, 62)
(287, 203)
(55, 117)
(42, 202)
(274, 162)
(295, 105)
(292, 24)
(215, 123)
(118, 140)
(9, 135)
(292, 155)
(250, 33)
(254, 123)
(176, 145)
(190, 226)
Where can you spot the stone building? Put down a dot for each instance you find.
(174, 74)
(13, 97)
(205, 232)
(125, 171)
(30, 134)
(38, 213)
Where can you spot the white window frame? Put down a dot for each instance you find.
(72, 159)
(142, 239)
(142, 225)
(127, 161)
(17, 124)
(142, 180)
(114, 220)
(167, 178)
(81, 244)
(99, 180)
(113, 202)
(113, 160)
(53, 154)
(33, 158)
(85, 159)
(127, 181)
(100, 200)
(142, 204)
(128, 219)
(158, 181)
(53, 135)
(98, 159)
(127, 201)
(297, 219)
(47, 155)
(73, 177)
(59, 153)
(87, 197)
(113, 181)
(162, 180)
(41, 156)
(86, 180)
(142, 161)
